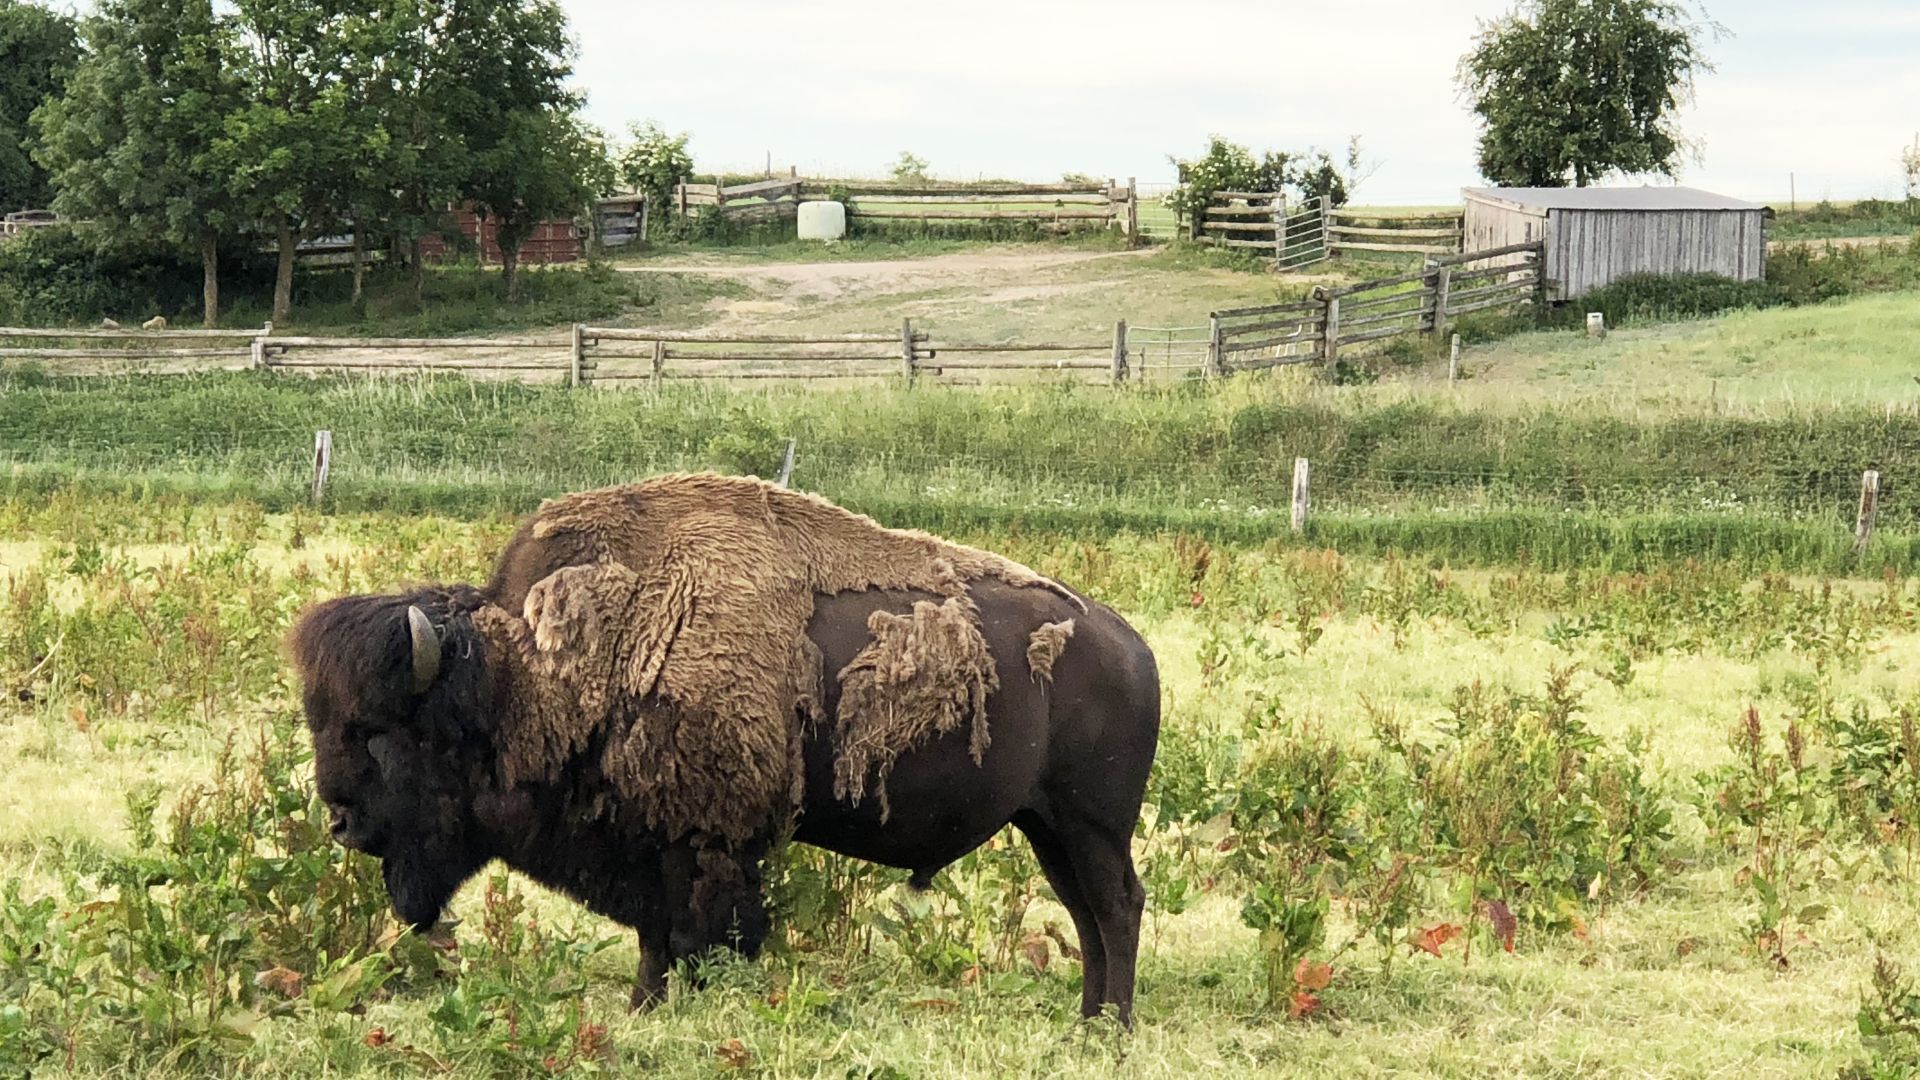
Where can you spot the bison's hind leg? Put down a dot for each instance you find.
(1099, 862)
(1057, 865)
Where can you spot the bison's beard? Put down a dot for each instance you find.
(421, 882)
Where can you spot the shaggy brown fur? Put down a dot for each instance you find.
(921, 676)
(686, 624)
(1045, 646)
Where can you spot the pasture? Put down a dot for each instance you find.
(1573, 715)
(1361, 757)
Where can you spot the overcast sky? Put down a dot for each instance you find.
(1030, 90)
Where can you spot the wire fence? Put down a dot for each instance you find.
(499, 460)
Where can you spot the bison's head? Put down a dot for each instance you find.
(400, 706)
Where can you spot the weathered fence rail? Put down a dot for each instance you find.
(1063, 206)
(1416, 234)
(1240, 339)
(1314, 330)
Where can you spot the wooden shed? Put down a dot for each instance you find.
(1594, 235)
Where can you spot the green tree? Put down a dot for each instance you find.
(130, 144)
(38, 51)
(498, 85)
(545, 165)
(1570, 91)
(653, 163)
(909, 168)
(293, 152)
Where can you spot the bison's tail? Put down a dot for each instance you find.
(922, 880)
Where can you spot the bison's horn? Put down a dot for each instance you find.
(426, 649)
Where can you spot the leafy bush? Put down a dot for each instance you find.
(652, 163)
(1795, 276)
(56, 275)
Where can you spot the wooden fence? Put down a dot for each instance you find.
(1242, 339)
(1296, 235)
(1059, 206)
(586, 355)
(1292, 235)
(1422, 302)
(1418, 234)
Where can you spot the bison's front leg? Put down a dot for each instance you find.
(650, 988)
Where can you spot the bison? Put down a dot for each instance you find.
(408, 701)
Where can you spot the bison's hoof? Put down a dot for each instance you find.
(645, 998)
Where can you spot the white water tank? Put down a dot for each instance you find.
(823, 220)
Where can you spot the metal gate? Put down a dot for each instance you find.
(1302, 239)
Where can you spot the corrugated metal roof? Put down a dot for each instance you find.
(1618, 198)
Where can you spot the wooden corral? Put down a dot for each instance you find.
(1595, 235)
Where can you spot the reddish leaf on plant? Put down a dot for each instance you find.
(1309, 975)
(733, 1054)
(1038, 951)
(377, 1038)
(1429, 939)
(1196, 599)
(1504, 924)
(1302, 1004)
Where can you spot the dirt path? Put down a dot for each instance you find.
(832, 280)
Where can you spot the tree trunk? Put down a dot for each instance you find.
(209, 279)
(416, 271)
(359, 261)
(510, 265)
(283, 277)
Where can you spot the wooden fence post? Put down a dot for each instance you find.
(1279, 228)
(1453, 360)
(907, 362)
(1869, 508)
(322, 463)
(1133, 213)
(1539, 284)
(1442, 296)
(680, 190)
(1330, 345)
(1216, 357)
(659, 365)
(258, 350)
(786, 466)
(643, 219)
(576, 356)
(1300, 495)
(1119, 352)
(1326, 226)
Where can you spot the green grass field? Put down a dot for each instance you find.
(1505, 673)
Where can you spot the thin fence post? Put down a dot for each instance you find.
(786, 466)
(1216, 357)
(1133, 213)
(322, 463)
(1442, 296)
(644, 203)
(1539, 259)
(258, 351)
(1453, 360)
(907, 360)
(1869, 508)
(659, 365)
(1331, 343)
(1300, 500)
(1326, 226)
(1119, 352)
(576, 356)
(1279, 227)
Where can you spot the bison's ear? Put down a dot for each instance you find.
(426, 649)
